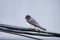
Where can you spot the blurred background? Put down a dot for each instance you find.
(46, 12)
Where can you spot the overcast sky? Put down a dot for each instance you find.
(46, 12)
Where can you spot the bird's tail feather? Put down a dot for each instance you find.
(42, 28)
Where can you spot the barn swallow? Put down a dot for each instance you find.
(33, 22)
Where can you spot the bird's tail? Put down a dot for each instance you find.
(42, 28)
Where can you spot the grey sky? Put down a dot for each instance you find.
(46, 12)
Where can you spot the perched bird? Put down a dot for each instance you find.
(33, 22)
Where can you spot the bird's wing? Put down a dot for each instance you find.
(33, 22)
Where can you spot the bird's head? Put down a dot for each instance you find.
(27, 17)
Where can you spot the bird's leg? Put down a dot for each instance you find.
(34, 28)
(37, 29)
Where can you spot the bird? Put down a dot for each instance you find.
(33, 22)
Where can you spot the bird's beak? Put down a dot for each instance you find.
(25, 17)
